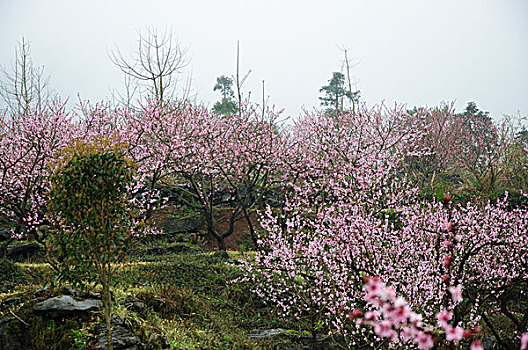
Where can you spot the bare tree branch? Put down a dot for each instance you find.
(154, 68)
(24, 87)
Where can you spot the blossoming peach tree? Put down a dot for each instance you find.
(28, 143)
(203, 154)
(352, 214)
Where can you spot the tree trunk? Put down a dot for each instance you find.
(212, 231)
(221, 243)
(247, 215)
(314, 333)
(107, 307)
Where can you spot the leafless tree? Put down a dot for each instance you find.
(154, 69)
(24, 87)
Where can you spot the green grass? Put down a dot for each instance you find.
(11, 275)
(189, 302)
(188, 299)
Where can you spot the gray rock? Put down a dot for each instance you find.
(93, 295)
(488, 343)
(131, 302)
(65, 304)
(183, 225)
(290, 341)
(69, 290)
(122, 338)
(23, 251)
(269, 333)
(42, 291)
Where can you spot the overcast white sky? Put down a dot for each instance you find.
(415, 52)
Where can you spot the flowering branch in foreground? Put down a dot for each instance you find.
(392, 316)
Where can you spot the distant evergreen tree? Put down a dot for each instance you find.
(479, 124)
(335, 93)
(225, 85)
(227, 105)
(522, 135)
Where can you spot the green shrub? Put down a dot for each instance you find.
(92, 216)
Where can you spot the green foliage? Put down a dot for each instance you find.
(93, 217)
(225, 107)
(225, 85)
(80, 338)
(335, 93)
(10, 275)
(48, 334)
(89, 201)
(186, 298)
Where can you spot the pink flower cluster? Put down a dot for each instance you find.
(393, 318)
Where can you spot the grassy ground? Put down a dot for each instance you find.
(188, 300)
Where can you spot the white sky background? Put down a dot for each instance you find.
(414, 52)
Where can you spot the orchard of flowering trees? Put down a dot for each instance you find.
(391, 228)
(352, 209)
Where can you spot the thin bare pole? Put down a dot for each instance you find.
(350, 84)
(238, 80)
(263, 100)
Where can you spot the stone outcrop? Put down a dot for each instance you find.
(293, 341)
(59, 306)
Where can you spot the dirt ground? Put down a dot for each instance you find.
(238, 239)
